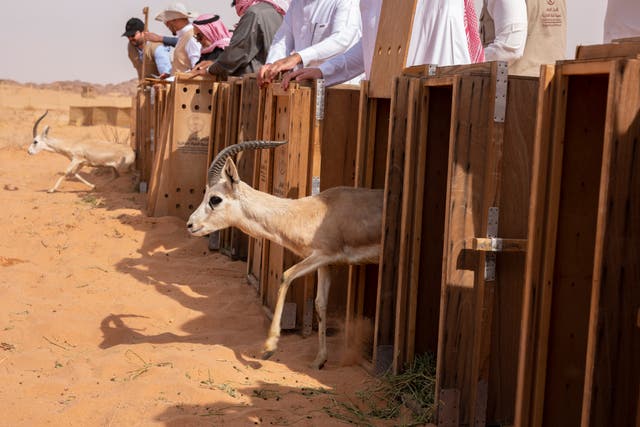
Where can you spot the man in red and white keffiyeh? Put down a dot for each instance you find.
(249, 45)
(476, 52)
(280, 5)
(212, 34)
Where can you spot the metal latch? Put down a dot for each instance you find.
(493, 217)
(492, 244)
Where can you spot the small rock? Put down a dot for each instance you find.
(10, 187)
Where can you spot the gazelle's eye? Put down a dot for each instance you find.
(214, 200)
(35, 142)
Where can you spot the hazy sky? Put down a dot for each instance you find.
(47, 41)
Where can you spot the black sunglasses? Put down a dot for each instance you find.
(207, 21)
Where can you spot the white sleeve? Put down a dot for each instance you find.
(510, 20)
(345, 67)
(193, 49)
(346, 26)
(282, 43)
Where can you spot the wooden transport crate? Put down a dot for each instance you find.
(455, 220)
(370, 167)
(337, 137)
(224, 131)
(324, 130)
(248, 130)
(251, 124)
(143, 133)
(580, 352)
(149, 106)
(286, 172)
(180, 167)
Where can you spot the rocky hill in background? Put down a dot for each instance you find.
(127, 88)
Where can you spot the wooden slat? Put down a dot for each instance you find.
(338, 146)
(570, 249)
(238, 241)
(429, 217)
(366, 138)
(626, 40)
(404, 212)
(533, 285)
(589, 68)
(392, 44)
(219, 118)
(253, 103)
(162, 153)
(486, 289)
(627, 49)
(469, 123)
(299, 172)
(372, 136)
(612, 380)
(391, 222)
(548, 249)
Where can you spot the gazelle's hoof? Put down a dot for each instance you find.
(51, 190)
(267, 354)
(318, 363)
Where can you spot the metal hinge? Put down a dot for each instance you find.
(319, 99)
(502, 79)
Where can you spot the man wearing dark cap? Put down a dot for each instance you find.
(155, 55)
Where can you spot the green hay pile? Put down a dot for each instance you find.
(410, 394)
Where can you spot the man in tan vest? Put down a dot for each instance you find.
(546, 32)
(187, 50)
(156, 57)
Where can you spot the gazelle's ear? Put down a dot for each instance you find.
(45, 132)
(231, 172)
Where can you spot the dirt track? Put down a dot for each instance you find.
(109, 317)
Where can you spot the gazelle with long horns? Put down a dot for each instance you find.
(341, 225)
(118, 157)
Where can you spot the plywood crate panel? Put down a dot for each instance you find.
(458, 172)
(582, 295)
(181, 164)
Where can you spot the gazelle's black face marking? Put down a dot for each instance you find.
(213, 201)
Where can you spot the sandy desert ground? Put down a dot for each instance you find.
(112, 318)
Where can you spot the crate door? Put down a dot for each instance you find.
(487, 196)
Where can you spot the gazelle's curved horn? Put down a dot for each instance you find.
(35, 126)
(218, 162)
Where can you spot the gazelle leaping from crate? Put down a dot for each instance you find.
(341, 225)
(118, 157)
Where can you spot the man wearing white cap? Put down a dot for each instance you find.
(187, 51)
